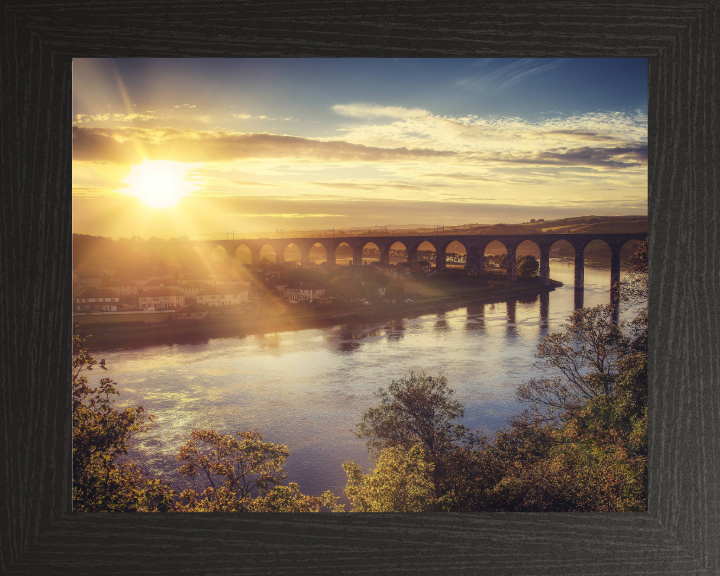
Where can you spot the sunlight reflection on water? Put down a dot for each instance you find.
(307, 389)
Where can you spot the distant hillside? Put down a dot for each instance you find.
(579, 224)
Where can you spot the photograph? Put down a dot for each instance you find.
(360, 285)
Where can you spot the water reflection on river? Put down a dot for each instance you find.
(307, 389)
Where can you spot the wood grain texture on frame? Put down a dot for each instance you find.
(680, 532)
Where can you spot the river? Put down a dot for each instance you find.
(308, 389)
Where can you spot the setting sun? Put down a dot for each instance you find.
(159, 183)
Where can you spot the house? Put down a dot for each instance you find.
(422, 266)
(97, 300)
(89, 278)
(193, 288)
(161, 299)
(185, 277)
(122, 286)
(386, 269)
(403, 268)
(128, 303)
(191, 312)
(155, 283)
(222, 296)
(304, 291)
(275, 284)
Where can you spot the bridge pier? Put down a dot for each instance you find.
(472, 261)
(412, 254)
(474, 265)
(330, 256)
(615, 276)
(440, 260)
(579, 269)
(545, 265)
(357, 256)
(254, 255)
(579, 298)
(544, 305)
(511, 311)
(511, 264)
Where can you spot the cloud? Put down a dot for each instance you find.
(374, 111)
(252, 183)
(576, 135)
(618, 157)
(342, 185)
(85, 118)
(246, 215)
(459, 176)
(186, 106)
(262, 117)
(509, 75)
(133, 145)
(474, 134)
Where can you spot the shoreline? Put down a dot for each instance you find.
(107, 337)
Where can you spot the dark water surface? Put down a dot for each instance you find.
(308, 389)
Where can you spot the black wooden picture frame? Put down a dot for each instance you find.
(680, 533)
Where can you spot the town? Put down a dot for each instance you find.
(229, 288)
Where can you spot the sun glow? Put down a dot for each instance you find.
(159, 183)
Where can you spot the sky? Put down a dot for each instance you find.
(170, 147)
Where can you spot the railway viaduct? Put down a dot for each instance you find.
(474, 246)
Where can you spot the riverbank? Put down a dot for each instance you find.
(107, 336)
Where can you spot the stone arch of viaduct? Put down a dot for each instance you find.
(474, 246)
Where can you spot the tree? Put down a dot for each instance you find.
(417, 410)
(346, 287)
(242, 474)
(310, 275)
(583, 443)
(527, 266)
(584, 359)
(634, 288)
(400, 482)
(104, 480)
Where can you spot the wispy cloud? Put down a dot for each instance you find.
(261, 117)
(618, 157)
(374, 111)
(491, 80)
(282, 215)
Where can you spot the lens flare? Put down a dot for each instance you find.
(159, 183)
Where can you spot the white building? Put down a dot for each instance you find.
(222, 296)
(97, 300)
(123, 287)
(193, 288)
(161, 299)
(304, 291)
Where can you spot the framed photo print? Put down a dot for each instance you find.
(411, 306)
